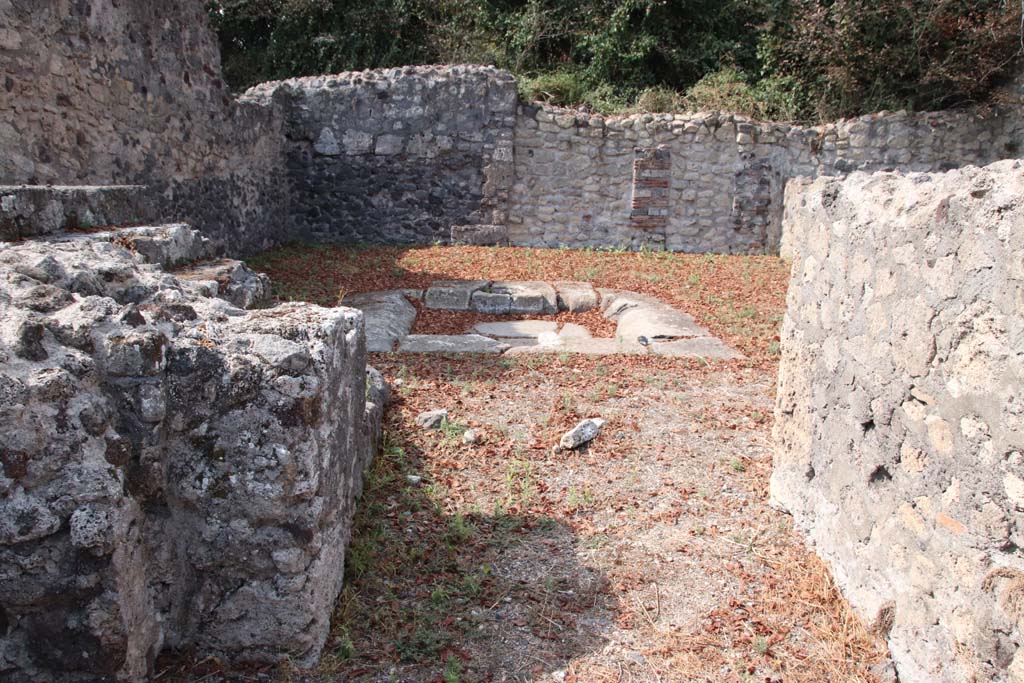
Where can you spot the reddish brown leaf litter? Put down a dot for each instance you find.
(652, 555)
(740, 299)
(434, 321)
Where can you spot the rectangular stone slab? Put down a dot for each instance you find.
(516, 328)
(590, 347)
(453, 295)
(529, 298)
(577, 297)
(659, 322)
(388, 316)
(450, 343)
(491, 303)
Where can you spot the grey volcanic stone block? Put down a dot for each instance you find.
(174, 471)
(577, 297)
(899, 419)
(450, 343)
(516, 328)
(453, 294)
(388, 316)
(480, 235)
(491, 303)
(526, 297)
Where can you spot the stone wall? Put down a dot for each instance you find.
(33, 210)
(397, 155)
(98, 92)
(421, 154)
(113, 93)
(900, 415)
(575, 180)
(174, 471)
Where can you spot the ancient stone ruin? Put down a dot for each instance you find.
(900, 416)
(664, 331)
(180, 460)
(176, 469)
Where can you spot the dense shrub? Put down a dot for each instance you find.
(728, 89)
(790, 59)
(271, 39)
(846, 57)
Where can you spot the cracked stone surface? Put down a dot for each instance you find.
(165, 245)
(640, 315)
(669, 331)
(516, 328)
(232, 281)
(182, 471)
(451, 343)
(576, 297)
(453, 295)
(388, 317)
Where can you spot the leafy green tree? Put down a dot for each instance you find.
(272, 39)
(793, 59)
(846, 57)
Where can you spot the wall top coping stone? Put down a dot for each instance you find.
(382, 78)
(716, 119)
(385, 78)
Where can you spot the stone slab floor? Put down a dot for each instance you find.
(651, 555)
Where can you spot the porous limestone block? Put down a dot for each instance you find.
(899, 427)
(175, 471)
(453, 295)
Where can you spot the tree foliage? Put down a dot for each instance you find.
(853, 56)
(795, 59)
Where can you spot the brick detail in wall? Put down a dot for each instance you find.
(652, 175)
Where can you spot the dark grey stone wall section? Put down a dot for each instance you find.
(392, 200)
(396, 155)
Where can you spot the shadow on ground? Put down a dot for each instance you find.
(445, 590)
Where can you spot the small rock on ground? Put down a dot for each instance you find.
(584, 432)
(432, 419)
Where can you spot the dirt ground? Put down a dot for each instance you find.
(651, 555)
